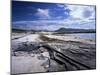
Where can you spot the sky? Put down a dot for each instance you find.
(51, 16)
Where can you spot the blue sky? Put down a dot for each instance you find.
(51, 16)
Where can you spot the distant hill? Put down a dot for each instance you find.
(22, 30)
(61, 30)
(70, 30)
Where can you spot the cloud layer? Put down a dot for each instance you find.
(43, 13)
(59, 15)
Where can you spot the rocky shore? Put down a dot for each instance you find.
(48, 53)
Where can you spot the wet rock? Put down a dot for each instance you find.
(32, 55)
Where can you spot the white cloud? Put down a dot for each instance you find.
(43, 13)
(82, 12)
(80, 15)
(79, 11)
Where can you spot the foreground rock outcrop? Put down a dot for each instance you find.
(51, 55)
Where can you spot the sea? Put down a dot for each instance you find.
(85, 35)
